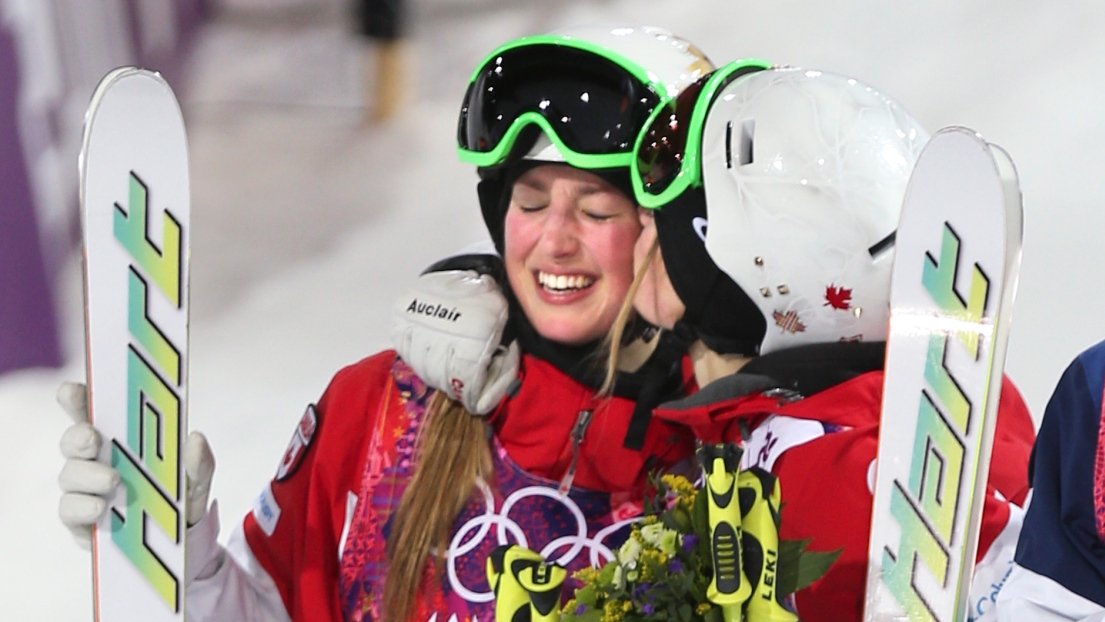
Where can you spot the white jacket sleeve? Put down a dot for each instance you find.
(1031, 597)
(1004, 591)
(227, 584)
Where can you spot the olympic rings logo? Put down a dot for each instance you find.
(480, 528)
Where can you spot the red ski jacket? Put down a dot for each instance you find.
(312, 531)
(822, 448)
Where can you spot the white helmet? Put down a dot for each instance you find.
(804, 173)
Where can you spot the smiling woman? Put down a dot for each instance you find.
(569, 251)
(551, 122)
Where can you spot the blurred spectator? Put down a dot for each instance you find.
(383, 24)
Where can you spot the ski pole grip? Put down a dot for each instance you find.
(729, 586)
(522, 580)
(759, 494)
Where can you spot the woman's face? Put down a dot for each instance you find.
(656, 300)
(568, 251)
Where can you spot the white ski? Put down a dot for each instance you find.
(135, 206)
(954, 279)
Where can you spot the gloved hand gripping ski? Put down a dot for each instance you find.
(86, 483)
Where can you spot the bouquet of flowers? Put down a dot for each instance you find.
(709, 554)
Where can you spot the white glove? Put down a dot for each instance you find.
(447, 327)
(85, 483)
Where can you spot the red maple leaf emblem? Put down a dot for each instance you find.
(838, 297)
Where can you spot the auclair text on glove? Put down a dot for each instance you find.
(433, 310)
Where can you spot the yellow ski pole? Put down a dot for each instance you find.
(729, 587)
(521, 578)
(761, 545)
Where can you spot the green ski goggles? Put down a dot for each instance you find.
(589, 101)
(599, 109)
(668, 151)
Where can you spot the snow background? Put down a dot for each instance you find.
(306, 223)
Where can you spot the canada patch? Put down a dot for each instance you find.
(297, 447)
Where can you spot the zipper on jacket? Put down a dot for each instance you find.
(578, 430)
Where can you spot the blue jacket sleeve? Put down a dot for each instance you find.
(1063, 537)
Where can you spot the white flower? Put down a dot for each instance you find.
(627, 555)
(651, 533)
(669, 541)
(619, 578)
(658, 536)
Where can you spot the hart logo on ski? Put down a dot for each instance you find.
(149, 462)
(927, 506)
(955, 270)
(135, 206)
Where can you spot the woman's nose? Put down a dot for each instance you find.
(561, 235)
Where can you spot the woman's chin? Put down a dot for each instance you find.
(568, 333)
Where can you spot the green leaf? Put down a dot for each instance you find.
(798, 567)
(606, 574)
(814, 564)
(588, 594)
(697, 592)
(669, 520)
(786, 576)
(655, 493)
(700, 516)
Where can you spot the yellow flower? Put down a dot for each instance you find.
(650, 560)
(587, 575)
(679, 485)
(612, 611)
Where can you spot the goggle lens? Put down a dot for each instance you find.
(664, 141)
(667, 155)
(593, 105)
